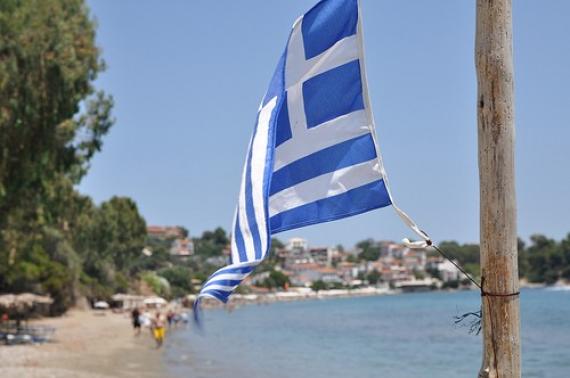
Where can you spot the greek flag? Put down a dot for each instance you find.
(313, 156)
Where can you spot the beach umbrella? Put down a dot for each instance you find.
(120, 297)
(23, 305)
(101, 305)
(25, 300)
(155, 301)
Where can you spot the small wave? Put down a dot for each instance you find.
(558, 288)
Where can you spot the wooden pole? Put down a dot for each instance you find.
(499, 270)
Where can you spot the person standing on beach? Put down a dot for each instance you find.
(170, 318)
(158, 325)
(136, 318)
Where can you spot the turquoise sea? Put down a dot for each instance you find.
(408, 335)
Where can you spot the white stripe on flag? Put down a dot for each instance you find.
(229, 276)
(297, 116)
(327, 185)
(328, 134)
(298, 69)
(258, 155)
(242, 218)
(234, 249)
(220, 287)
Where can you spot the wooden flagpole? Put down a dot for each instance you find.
(499, 269)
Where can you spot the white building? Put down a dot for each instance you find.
(182, 247)
(297, 244)
(448, 271)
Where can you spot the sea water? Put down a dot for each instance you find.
(407, 335)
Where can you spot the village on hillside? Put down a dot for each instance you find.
(297, 269)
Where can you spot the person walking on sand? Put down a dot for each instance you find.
(170, 318)
(136, 318)
(158, 325)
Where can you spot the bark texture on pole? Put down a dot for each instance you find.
(499, 270)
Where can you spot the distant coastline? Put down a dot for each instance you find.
(301, 294)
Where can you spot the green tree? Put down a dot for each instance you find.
(351, 259)
(180, 279)
(184, 230)
(419, 274)
(373, 277)
(276, 279)
(463, 253)
(113, 242)
(124, 229)
(545, 260)
(159, 285)
(369, 250)
(319, 285)
(52, 122)
(46, 265)
(565, 248)
(272, 259)
(276, 245)
(49, 62)
(522, 258)
(212, 243)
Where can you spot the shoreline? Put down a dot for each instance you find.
(86, 345)
(295, 295)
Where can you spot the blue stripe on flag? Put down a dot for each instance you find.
(355, 201)
(223, 282)
(218, 294)
(333, 93)
(239, 240)
(232, 270)
(277, 80)
(347, 153)
(283, 125)
(327, 23)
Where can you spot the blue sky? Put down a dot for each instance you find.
(187, 78)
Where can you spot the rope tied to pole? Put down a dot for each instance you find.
(467, 275)
(484, 293)
(475, 325)
(487, 294)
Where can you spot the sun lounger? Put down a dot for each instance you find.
(27, 335)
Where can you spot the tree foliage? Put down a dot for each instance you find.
(54, 240)
(276, 279)
(369, 250)
(548, 260)
(110, 243)
(373, 277)
(52, 122)
(48, 63)
(212, 243)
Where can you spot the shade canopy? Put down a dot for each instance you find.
(23, 303)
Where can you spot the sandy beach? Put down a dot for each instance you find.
(87, 345)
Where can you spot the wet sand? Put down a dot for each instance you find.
(85, 345)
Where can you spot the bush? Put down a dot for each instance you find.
(453, 284)
(276, 279)
(319, 285)
(158, 285)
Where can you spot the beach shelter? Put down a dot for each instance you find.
(154, 302)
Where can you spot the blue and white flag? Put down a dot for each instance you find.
(313, 156)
